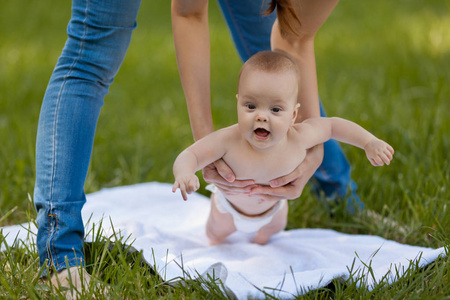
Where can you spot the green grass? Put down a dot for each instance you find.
(383, 64)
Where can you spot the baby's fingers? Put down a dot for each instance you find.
(389, 153)
(193, 185)
(385, 158)
(376, 161)
(183, 193)
(390, 149)
(182, 187)
(380, 159)
(175, 186)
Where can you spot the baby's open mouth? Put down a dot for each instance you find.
(261, 133)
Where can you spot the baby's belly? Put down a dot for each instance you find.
(250, 205)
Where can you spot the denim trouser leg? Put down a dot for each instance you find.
(251, 33)
(249, 30)
(99, 33)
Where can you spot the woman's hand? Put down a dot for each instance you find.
(291, 186)
(221, 175)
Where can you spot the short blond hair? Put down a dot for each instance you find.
(271, 61)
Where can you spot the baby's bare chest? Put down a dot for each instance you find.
(263, 167)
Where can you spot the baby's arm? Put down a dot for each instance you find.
(184, 170)
(320, 130)
(200, 154)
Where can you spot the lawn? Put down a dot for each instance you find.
(383, 64)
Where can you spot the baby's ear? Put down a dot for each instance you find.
(237, 96)
(295, 113)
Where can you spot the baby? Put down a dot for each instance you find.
(265, 144)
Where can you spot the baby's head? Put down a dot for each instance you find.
(267, 96)
(274, 62)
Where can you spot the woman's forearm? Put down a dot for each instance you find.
(300, 44)
(192, 48)
(303, 53)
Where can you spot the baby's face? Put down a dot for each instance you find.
(267, 106)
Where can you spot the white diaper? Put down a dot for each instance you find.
(243, 223)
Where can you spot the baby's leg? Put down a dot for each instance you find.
(219, 225)
(277, 224)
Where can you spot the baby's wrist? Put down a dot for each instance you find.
(366, 145)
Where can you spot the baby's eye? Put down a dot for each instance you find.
(251, 106)
(276, 109)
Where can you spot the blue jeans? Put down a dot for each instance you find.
(99, 34)
(251, 33)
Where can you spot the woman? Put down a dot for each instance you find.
(99, 33)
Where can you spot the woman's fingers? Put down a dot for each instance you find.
(212, 175)
(289, 191)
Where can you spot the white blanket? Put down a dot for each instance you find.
(170, 232)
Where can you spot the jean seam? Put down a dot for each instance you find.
(55, 133)
(49, 238)
(69, 260)
(241, 36)
(54, 233)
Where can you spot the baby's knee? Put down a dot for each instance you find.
(215, 237)
(265, 233)
(217, 232)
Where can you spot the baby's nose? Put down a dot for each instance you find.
(261, 118)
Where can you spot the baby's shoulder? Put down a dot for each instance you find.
(227, 134)
(297, 135)
(297, 130)
(306, 127)
(230, 131)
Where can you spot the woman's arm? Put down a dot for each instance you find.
(300, 44)
(192, 47)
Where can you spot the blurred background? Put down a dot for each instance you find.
(383, 64)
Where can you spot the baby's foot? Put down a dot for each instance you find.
(215, 242)
(261, 238)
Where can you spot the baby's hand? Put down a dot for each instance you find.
(379, 152)
(186, 184)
